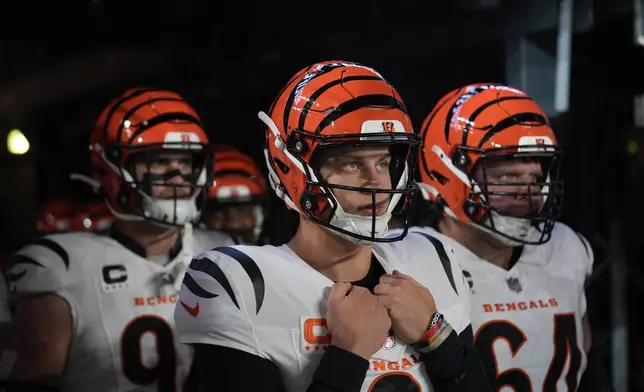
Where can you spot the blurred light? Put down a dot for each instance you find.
(632, 147)
(17, 143)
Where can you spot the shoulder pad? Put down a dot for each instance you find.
(421, 245)
(572, 254)
(223, 289)
(40, 267)
(209, 239)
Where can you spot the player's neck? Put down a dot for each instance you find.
(331, 255)
(477, 241)
(154, 239)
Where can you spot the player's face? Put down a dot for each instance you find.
(169, 172)
(511, 185)
(365, 167)
(235, 218)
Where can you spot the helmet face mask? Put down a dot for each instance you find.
(151, 157)
(322, 201)
(339, 104)
(491, 159)
(515, 210)
(167, 173)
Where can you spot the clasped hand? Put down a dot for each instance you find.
(409, 304)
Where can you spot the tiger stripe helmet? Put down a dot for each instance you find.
(479, 122)
(238, 180)
(237, 177)
(139, 122)
(338, 103)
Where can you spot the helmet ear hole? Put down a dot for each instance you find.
(439, 177)
(281, 165)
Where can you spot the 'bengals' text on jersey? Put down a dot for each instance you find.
(268, 302)
(121, 304)
(528, 320)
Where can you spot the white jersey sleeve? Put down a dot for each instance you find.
(572, 256)
(43, 267)
(211, 308)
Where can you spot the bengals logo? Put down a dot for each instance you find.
(388, 126)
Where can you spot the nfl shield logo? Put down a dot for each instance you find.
(514, 284)
(390, 342)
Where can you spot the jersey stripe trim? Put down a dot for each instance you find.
(22, 259)
(10, 277)
(442, 255)
(251, 268)
(195, 289)
(56, 248)
(583, 242)
(212, 269)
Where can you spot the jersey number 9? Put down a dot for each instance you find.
(164, 373)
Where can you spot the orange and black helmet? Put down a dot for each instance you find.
(237, 179)
(238, 182)
(134, 127)
(95, 217)
(330, 104)
(55, 217)
(472, 125)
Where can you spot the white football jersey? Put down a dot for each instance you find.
(122, 307)
(268, 302)
(528, 320)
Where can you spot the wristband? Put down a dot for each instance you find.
(435, 325)
(439, 330)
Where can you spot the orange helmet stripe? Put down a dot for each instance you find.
(133, 94)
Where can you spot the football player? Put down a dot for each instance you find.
(95, 312)
(237, 199)
(490, 168)
(340, 307)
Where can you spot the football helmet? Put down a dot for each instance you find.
(332, 104)
(55, 217)
(474, 125)
(95, 217)
(134, 131)
(237, 182)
